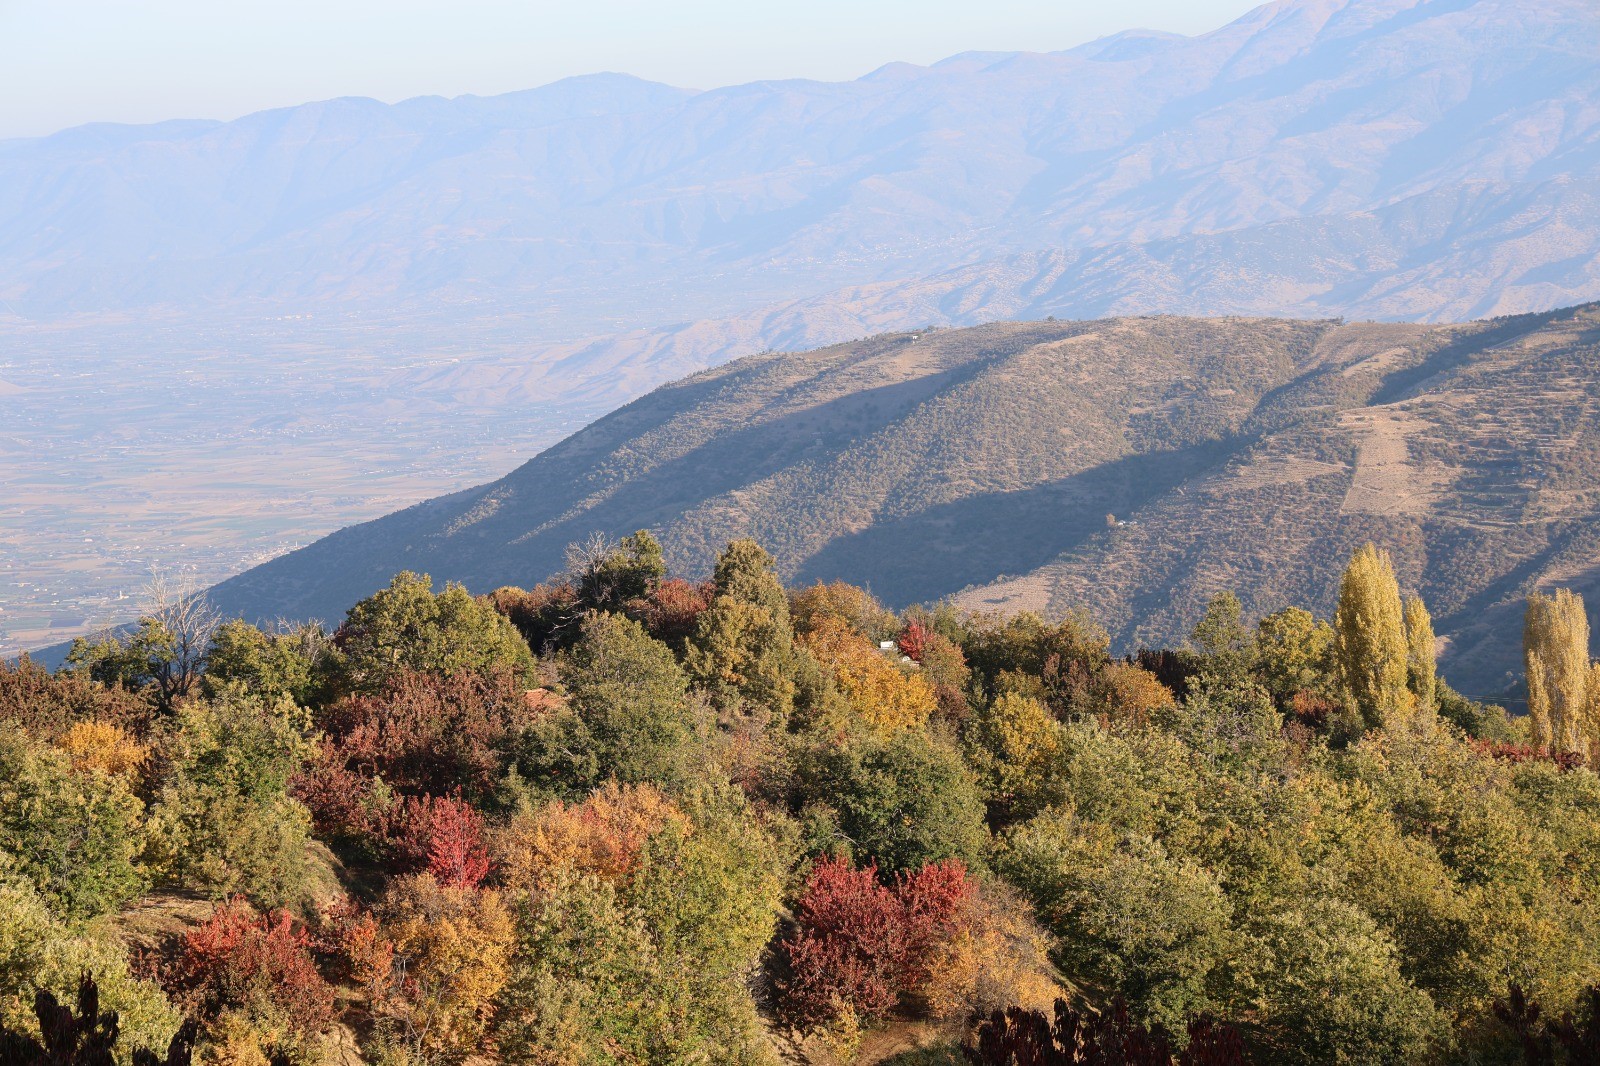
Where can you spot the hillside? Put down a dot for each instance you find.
(982, 463)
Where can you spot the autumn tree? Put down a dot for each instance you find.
(1370, 640)
(1555, 648)
(742, 650)
(878, 692)
(442, 955)
(255, 975)
(1422, 670)
(1295, 653)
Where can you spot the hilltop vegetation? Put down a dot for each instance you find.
(1130, 467)
(622, 817)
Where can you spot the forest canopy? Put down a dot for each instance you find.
(629, 817)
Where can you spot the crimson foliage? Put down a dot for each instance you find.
(861, 944)
(239, 959)
(424, 734)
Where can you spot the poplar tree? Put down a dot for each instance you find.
(1370, 640)
(1555, 651)
(1422, 670)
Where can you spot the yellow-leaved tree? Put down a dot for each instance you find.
(1370, 640)
(1555, 651)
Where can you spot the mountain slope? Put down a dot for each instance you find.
(983, 463)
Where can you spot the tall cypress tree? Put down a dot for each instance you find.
(1422, 670)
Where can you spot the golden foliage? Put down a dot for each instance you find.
(1555, 649)
(878, 691)
(1370, 640)
(1131, 693)
(450, 958)
(100, 745)
(998, 957)
(603, 836)
(838, 601)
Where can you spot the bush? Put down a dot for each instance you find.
(861, 945)
(40, 954)
(445, 953)
(73, 833)
(259, 970)
(225, 822)
(905, 800)
(405, 628)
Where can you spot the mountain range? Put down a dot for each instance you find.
(308, 316)
(1133, 467)
(1418, 159)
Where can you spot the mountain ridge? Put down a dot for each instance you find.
(982, 463)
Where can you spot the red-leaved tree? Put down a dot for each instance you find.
(913, 641)
(861, 944)
(457, 857)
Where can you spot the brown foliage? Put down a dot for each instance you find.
(49, 705)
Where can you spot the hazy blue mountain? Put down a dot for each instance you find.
(632, 204)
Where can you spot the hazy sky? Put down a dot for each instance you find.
(64, 62)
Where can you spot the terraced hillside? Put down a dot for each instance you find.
(1133, 466)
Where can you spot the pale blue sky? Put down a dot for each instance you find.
(64, 62)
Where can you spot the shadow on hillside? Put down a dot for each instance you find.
(976, 540)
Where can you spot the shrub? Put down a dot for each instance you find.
(47, 705)
(74, 833)
(225, 822)
(1018, 1037)
(424, 734)
(41, 954)
(905, 800)
(95, 744)
(861, 945)
(260, 970)
(445, 953)
(406, 628)
(87, 1037)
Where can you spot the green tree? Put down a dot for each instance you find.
(1555, 649)
(629, 714)
(1295, 654)
(74, 833)
(1130, 915)
(903, 801)
(274, 666)
(1370, 640)
(405, 627)
(164, 654)
(224, 821)
(743, 647)
(1222, 636)
(611, 576)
